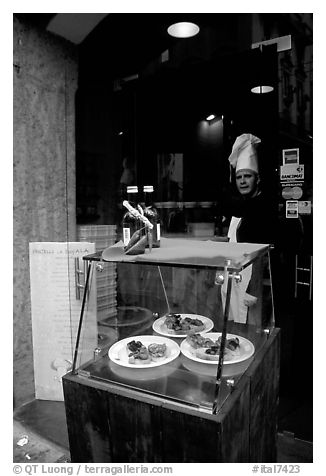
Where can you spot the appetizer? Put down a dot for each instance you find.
(182, 325)
(157, 352)
(207, 349)
(197, 341)
(139, 354)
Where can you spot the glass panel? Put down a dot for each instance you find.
(129, 301)
(87, 332)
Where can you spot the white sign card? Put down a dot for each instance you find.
(56, 313)
(292, 209)
(305, 207)
(292, 172)
(290, 156)
(294, 192)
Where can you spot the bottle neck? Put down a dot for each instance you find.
(132, 198)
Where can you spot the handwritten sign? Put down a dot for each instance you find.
(55, 314)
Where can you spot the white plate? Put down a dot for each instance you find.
(160, 327)
(118, 353)
(246, 350)
(139, 373)
(231, 370)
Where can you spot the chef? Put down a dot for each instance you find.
(250, 218)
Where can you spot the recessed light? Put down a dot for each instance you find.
(183, 29)
(262, 89)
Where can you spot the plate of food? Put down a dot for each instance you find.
(181, 325)
(144, 351)
(206, 348)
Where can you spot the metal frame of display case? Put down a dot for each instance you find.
(229, 271)
(112, 420)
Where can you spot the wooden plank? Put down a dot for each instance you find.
(135, 430)
(264, 386)
(88, 423)
(235, 446)
(118, 428)
(189, 439)
(113, 428)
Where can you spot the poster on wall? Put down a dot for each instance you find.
(290, 156)
(55, 307)
(293, 191)
(292, 172)
(292, 209)
(305, 207)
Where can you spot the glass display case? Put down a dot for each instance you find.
(203, 311)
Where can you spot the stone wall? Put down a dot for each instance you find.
(45, 82)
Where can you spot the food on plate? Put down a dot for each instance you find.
(208, 349)
(134, 346)
(213, 353)
(157, 352)
(141, 355)
(208, 353)
(176, 324)
(196, 341)
(232, 343)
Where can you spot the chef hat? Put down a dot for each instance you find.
(244, 155)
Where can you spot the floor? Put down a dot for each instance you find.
(40, 433)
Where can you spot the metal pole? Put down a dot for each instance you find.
(223, 341)
(81, 319)
(296, 276)
(164, 290)
(310, 280)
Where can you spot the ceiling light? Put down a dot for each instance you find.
(183, 29)
(210, 117)
(262, 89)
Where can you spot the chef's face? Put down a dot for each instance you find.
(247, 182)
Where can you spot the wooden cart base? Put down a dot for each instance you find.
(111, 423)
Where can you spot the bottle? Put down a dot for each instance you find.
(151, 213)
(130, 224)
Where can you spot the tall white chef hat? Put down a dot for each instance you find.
(244, 154)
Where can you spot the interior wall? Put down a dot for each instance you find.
(45, 81)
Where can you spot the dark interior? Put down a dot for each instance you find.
(161, 107)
